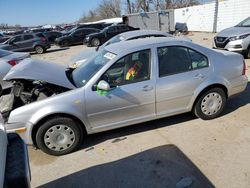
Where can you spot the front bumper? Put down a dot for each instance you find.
(24, 130)
(239, 46)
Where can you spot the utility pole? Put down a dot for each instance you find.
(216, 15)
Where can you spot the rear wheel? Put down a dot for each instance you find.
(210, 104)
(59, 136)
(65, 43)
(39, 49)
(95, 42)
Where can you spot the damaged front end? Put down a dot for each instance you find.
(25, 92)
(33, 80)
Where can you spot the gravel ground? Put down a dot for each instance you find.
(171, 152)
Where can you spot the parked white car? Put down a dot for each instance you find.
(235, 39)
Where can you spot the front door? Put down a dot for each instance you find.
(27, 43)
(131, 98)
(15, 43)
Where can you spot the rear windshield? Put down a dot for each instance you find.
(4, 53)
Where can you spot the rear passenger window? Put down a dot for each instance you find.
(198, 60)
(28, 37)
(173, 60)
(177, 59)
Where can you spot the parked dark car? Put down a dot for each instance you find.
(181, 27)
(27, 42)
(38, 30)
(3, 38)
(99, 26)
(52, 35)
(97, 39)
(76, 37)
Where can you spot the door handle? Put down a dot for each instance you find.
(147, 88)
(199, 76)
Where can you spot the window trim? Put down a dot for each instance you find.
(188, 48)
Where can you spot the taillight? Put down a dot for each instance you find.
(12, 62)
(244, 68)
(43, 39)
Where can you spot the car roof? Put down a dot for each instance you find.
(144, 42)
(136, 33)
(87, 28)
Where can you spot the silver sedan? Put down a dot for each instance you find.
(127, 83)
(7, 61)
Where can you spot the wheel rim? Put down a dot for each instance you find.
(211, 103)
(96, 42)
(39, 49)
(59, 137)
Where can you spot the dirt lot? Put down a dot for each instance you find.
(156, 154)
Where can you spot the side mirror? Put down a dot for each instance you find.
(11, 42)
(103, 85)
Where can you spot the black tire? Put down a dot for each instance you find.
(95, 42)
(201, 111)
(46, 128)
(247, 54)
(1, 90)
(64, 43)
(39, 49)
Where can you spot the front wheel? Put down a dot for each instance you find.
(95, 42)
(210, 104)
(39, 49)
(59, 136)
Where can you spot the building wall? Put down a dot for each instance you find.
(198, 18)
(232, 12)
(201, 17)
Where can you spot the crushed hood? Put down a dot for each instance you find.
(31, 69)
(234, 31)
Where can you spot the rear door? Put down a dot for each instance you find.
(78, 36)
(15, 43)
(112, 31)
(180, 71)
(27, 43)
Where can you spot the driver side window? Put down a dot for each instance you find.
(132, 68)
